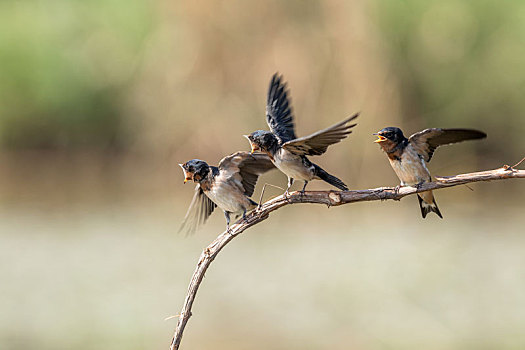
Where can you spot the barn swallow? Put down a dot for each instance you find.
(228, 186)
(408, 157)
(288, 152)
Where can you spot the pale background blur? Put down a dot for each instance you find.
(101, 99)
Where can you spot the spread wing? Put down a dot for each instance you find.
(317, 143)
(200, 209)
(244, 168)
(278, 111)
(425, 142)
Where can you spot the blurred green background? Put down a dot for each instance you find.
(101, 99)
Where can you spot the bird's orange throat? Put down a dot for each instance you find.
(389, 148)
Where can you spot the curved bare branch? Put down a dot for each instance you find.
(329, 198)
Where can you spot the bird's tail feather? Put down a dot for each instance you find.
(332, 180)
(428, 207)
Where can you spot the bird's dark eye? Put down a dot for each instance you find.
(190, 169)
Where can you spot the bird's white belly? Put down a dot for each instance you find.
(293, 166)
(229, 198)
(411, 169)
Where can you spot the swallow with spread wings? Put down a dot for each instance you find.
(408, 157)
(287, 151)
(228, 186)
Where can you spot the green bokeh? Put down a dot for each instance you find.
(461, 63)
(64, 67)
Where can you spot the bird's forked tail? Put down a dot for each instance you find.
(428, 204)
(332, 180)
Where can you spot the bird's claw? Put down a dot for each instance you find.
(287, 196)
(396, 192)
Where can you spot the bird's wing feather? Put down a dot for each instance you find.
(425, 142)
(198, 212)
(279, 114)
(317, 143)
(244, 168)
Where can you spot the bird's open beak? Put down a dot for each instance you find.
(254, 147)
(186, 178)
(380, 138)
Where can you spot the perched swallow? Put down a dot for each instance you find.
(288, 152)
(228, 186)
(408, 157)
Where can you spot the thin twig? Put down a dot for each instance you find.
(518, 163)
(329, 198)
(470, 188)
(262, 193)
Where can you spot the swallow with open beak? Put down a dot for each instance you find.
(289, 153)
(408, 157)
(228, 186)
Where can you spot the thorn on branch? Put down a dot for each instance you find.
(171, 317)
(513, 168)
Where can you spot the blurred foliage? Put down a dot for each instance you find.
(64, 66)
(461, 62)
(99, 74)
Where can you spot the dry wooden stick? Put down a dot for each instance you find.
(329, 198)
